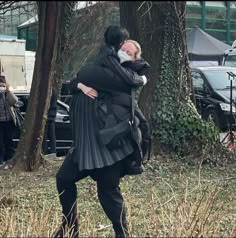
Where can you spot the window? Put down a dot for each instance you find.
(233, 24)
(216, 13)
(29, 33)
(198, 82)
(232, 4)
(61, 110)
(14, 17)
(230, 60)
(216, 20)
(193, 12)
(222, 24)
(14, 23)
(194, 3)
(24, 101)
(193, 16)
(22, 33)
(215, 3)
(218, 79)
(8, 28)
(23, 16)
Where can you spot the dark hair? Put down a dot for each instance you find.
(2, 79)
(115, 35)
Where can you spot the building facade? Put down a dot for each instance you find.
(216, 18)
(16, 15)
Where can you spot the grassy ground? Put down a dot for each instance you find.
(170, 199)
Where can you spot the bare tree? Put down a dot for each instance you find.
(165, 100)
(6, 6)
(145, 23)
(57, 42)
(87, 36)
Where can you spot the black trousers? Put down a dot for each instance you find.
(49, 134)
(7, 129)
(109, 193)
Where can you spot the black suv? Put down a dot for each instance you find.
(62, 125)
(212, 92)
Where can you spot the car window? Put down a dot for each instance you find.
(219, 79)
(198, 82)
(23, 99)
(61, 110)
(230, 60)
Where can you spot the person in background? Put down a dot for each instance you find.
(7, 121)
(50, 133)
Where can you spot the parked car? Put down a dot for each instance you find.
(65, 93)
(62, 125)
(212, 92)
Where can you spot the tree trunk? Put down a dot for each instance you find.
(28, 154)
(146, 26)
(165, 100)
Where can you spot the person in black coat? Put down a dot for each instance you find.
(120, 91)
(89, 157)
(50, 132)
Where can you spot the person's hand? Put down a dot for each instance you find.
(144, 79)
(88, 90)
(7, 85)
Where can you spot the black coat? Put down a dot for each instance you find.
(107, 57)
(89, 151)
(114, 79)
(109, 83)
(112, 76)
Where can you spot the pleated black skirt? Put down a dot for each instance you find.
(89, 152)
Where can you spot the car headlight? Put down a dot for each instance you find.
(226, 107)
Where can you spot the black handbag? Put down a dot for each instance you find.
(19, 117)
(114, 130)
(111, 137)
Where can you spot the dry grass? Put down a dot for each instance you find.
(171, 199)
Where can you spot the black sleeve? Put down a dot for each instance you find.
(140, 66)
(130, 77)
(99, 78)
(73, 86)
(144, 127)
(138, 112)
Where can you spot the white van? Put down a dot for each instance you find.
(12, 62)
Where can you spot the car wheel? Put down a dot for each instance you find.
(213, 116)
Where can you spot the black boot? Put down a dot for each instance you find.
(113, 204)
(133, 168)
(121, 232)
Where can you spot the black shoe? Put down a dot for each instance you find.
(134, 169)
